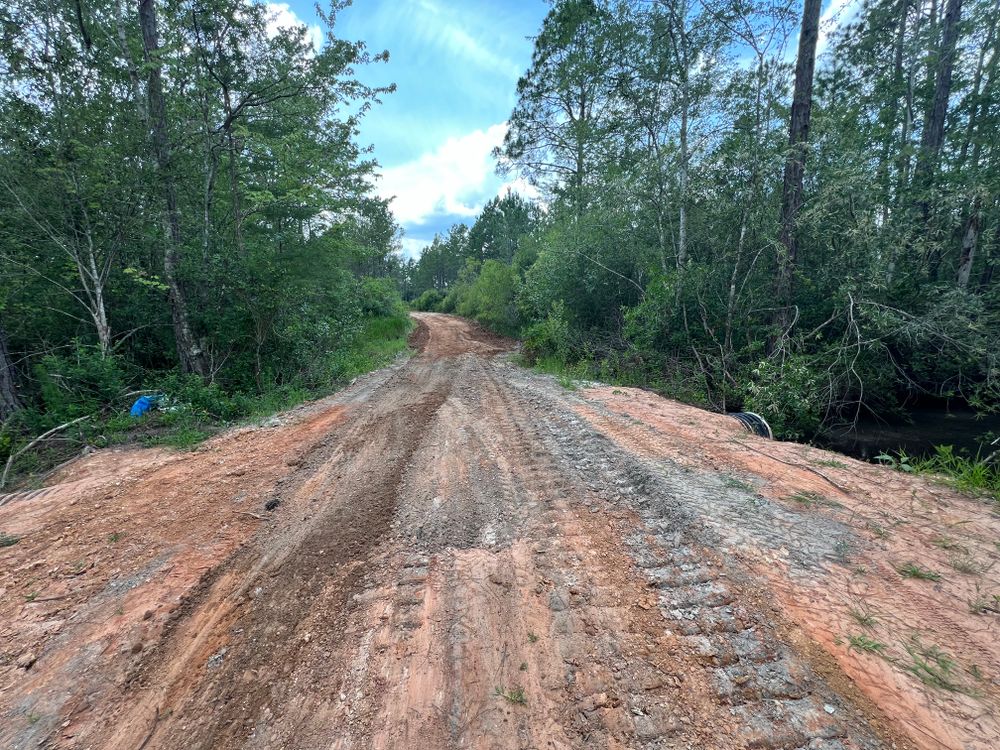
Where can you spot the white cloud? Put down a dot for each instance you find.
(455, 179)
(412, 247)
(838, 12)
(281, 16)
(461, 44)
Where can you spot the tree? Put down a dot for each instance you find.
(189, 351)
(564, 112)
(798, 137)
(499, 228)
(10, 402)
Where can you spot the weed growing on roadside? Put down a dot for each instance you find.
(947, 543)
(532, 638)
(984, 603)
(524, 666)
(831, 463)
(912, 570)
(932, 666)
(512, 695)
(8, 540)
(862, 642)
(864, 619)
(737, 484)
(965, 563)
(878, 530)
(116, 536)
(808, 499)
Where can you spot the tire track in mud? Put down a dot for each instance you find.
(776, 698)
(461, 561)
(261, 619)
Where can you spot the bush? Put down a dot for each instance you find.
(429, 301)
(491, 298)
(788, 395)
(81, 382)
(550, 338)
(379, 297)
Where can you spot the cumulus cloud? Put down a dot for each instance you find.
(454, 179)
(281, 16)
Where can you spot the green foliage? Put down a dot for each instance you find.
(429, 301)
(79, 382)
(787, 394)
(379, 297)
(862, 642)
(550, 338)
(492, 298)
(261, 285)
(933, 666)
(514, 695)
(967, 473)
(912, 570)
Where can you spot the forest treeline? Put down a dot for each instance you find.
(184, 208)
(746, 211)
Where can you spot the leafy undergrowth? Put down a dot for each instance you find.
(977, 475)
(195, 410)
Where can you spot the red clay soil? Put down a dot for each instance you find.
(457, 553)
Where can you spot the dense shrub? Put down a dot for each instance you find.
(429, 301)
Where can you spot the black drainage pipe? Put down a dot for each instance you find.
(755, 424)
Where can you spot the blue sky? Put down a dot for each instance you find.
(456, 65)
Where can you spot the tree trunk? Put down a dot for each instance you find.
(933, 135)
(975, 95)
(969, 242)
(133, 71)
(9, 401)
(798, 135)
(682, 198)
(189, 352)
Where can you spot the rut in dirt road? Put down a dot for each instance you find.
(456, 558)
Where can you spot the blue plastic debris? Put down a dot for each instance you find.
(144, 404)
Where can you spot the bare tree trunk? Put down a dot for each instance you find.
(9, 401)
(975, 95)
(798, 136)
(189, 352)
(682, 198)
(133, 71)
(933, 135)
(884, 179)
(969, 242)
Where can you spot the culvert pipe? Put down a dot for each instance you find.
(755, 424)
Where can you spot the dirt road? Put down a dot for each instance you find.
(455, 552)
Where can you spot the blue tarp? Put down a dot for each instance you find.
(144, 404)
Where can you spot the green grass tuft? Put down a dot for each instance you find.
(512, 695)
(912, 570)
(862, 642)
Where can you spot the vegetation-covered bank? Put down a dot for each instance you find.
(99, 391)
(745, 213)
(184, 209)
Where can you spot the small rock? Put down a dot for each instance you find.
(215, 660)
(136, 647)
(148, 615)
(26, 660)
(829, 709)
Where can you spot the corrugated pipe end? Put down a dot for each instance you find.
(755, 424)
